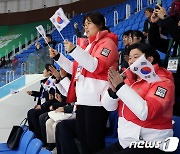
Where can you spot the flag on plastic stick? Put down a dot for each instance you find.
(144, 69)
(59, 20)
(41, 31)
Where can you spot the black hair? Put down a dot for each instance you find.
(49, 36)
(98, 19)
(127, 32)
(52, 91)
(47, 66)
(148, 50)
(138, 34)
(149, 9)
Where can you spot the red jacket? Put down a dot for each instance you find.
(160, 105)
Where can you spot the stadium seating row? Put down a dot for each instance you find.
(28, 145)
(135, 22)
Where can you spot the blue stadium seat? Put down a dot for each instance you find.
(34, 146)
(128, 28)
(138, 20)
(120, 32)
(135, 26)
(131, 20)
(24, 142)
(176, 129)
(112, 135)
(141, 24)
(120, 45)
(125, 23)
(45, 151)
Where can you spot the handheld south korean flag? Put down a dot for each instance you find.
(144, 69)
(59, 20)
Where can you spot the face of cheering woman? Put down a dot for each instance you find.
(92, 25)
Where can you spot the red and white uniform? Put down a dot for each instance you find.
(145, 109)
(63, 86)
(92, 65)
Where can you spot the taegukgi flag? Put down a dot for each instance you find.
(144, 69)
(59, 19)
(41, 31)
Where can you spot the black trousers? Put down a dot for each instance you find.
(42, 121)
(91, 128)
(33, 121)
(65, 137)
(117, 149)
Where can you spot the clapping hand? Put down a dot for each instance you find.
(114, 78)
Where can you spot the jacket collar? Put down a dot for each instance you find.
(101, 34)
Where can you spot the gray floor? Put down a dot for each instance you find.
(4, 133)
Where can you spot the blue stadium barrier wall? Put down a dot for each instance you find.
(12, 87)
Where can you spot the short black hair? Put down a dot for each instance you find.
(149, 9)
(148, 50)
(138, 34)
(98, 19)
(52, 91)
(49, 36)
(127, 32)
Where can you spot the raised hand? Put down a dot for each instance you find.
(114, 77)
(54, 72)
(161, 12)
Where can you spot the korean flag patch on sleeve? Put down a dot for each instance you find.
(161, 92)
(105, 52)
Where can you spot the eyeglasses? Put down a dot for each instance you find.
(87, 24)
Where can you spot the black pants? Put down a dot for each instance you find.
(42, 121)
(33, 121)
(91, 128)
(65, 137)
(117, 149)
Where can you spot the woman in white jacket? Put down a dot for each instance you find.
(89, 75)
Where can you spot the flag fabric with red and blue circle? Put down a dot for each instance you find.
(144, 69)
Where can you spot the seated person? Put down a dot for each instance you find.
(130, 37)
(45, 99)
(145, 109)
(42, 94)
(33, 114)
(62, 85)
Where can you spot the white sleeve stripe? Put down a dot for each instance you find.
(109, 103)
(134, 102)
(65, 63)
(84, 59)
(65, 83)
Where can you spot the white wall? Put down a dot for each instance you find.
(14, 107)
(27, 5)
